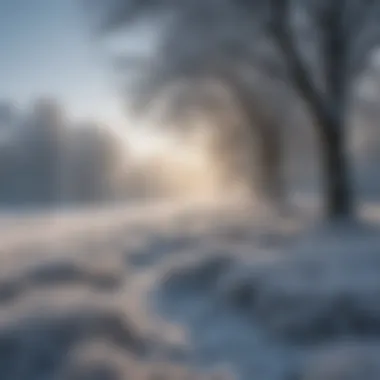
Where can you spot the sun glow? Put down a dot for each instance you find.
(183, 163)
(144, 144)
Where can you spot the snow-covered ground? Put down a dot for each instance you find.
(187, 291)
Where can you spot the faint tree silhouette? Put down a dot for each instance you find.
(316, 48)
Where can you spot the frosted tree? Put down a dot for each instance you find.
(203, 45)
(316, 48)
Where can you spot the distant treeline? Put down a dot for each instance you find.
(45, 159)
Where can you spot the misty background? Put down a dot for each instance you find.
(160, 164)
(138, 114)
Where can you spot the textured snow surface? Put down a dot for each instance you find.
(187, 292)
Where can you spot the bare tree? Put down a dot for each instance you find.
(346, 33)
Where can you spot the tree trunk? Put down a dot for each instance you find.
(339, 193)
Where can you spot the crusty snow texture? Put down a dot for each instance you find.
(190, 292)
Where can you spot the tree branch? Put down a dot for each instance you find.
(112, 15)
(362, 45)
(357, 14)
(334, 43)
(297, 70)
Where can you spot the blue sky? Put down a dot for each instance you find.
(47, 49)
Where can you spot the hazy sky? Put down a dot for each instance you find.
(46, 48)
